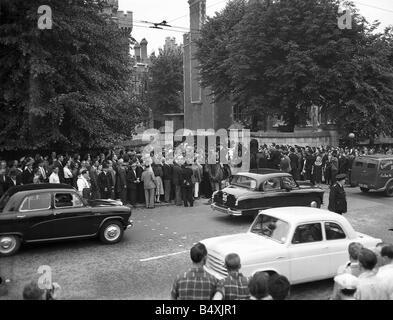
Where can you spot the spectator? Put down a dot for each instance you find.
(149, 185)
(59, 164)
(83, 185)
(294, 158)
(37, 176)
(369, 286)
(259, 286)
(385, 272)
(105, 182)
(31, 291)
(187, 185)
(167, 175)
(177, 181)
(197, 177)
(93, 174)
(28, 173)
(54, 177)
(352, 267)
(133, 179)
(121, 181)
(158, 173)
(285, 163)
(68, 177)
(196, 283)
(317, 171)
(278, 287)
(346, 286)
(235, 285)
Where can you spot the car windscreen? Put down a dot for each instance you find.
(271, 227)
(243, 181)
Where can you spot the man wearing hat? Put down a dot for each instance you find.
(28, 174)
(337, 197)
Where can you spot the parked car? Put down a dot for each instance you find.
(250, 192)
(49, 212)
(373, 172)
(303, 244)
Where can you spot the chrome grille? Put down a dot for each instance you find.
(216, 264)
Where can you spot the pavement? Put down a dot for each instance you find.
(144, 265)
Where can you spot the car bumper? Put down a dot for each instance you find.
(228, 211)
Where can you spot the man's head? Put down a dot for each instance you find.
(56, 170)
(232, 262)
(258, 285)
(367, 259)
(198, 253)
(278, 287)
(32, 292)
(84, 173)
(354, 250)
(387, 254)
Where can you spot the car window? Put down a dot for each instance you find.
(334, 231)
(358, 164)
(371, 165)
(41, 201)
(243, 181)
(305, 233)
(271, 227)
(271, 184)
(64, 200)
(386, 165)
(289, 181)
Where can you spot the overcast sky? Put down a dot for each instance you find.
(176, 13)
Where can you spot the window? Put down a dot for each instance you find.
(334, 231)
(243, 181)
(64, 200)
(271, 227)
(371, 165)
(307, 233)
(289, 181)
(358, 164)
(272, 184)
(386, 165)
(41, 201)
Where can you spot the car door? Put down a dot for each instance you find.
(338, 242)
(309, 254)
(273, 194)
(72, 217)
(294, 196)
(34, 213)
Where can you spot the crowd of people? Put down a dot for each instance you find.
(134, 178)
(316, 164)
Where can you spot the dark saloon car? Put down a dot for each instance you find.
(49, 212)
(250, 192)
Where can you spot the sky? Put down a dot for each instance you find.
(176, 13)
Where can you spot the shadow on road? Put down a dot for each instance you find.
(317, 290)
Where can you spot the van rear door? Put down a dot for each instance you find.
(369, 174)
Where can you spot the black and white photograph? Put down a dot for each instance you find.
(212, 150)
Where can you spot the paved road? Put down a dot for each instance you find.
(156, 249)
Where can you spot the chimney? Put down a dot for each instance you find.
(144, 50)
(137, 49)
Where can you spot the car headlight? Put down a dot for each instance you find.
(236, 202)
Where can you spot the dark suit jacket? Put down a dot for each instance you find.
(105, 181)
(131, 178)
(121, 179)
(177, 175)
(61, 170)
(27, 176)
(337, 199)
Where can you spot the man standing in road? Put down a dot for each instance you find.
(133, 180)
(105, 182)
(196, 283)
(337, 197)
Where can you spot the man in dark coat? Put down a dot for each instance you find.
(28, 173)
(294, 164)
(105, 182)
(177, 181)
(121, 181)
(59, 164)
(133, 180)
(167, 170)
(337, 198)
(187, 185)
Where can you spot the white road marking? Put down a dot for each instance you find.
(163, 256)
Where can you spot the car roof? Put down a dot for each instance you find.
(261, 177)
(38, 186)
(376, 157)
(303, 214)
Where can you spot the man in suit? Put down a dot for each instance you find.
(294, 163)
(28, 173)
(105, 182)
(121, 181)
(177, 181)
(337, 197)
(44, 172)
(95, 190)
(59, 164)
(167, 170)
(133, 179)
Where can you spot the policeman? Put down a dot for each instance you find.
(337, 198)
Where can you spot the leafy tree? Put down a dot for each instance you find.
(166, 81)
(283, 56)
(65, 87)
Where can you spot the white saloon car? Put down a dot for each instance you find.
(304, 244)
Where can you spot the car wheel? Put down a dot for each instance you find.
(364, 189)
(9, 245)
(111, 232)
(389, 190)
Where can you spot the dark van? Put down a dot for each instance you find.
(373, 172)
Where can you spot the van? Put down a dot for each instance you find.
(373, 172)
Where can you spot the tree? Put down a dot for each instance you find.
(283, 56)
(166, 81)
(65, 87)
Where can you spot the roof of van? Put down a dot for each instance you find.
(376, 157)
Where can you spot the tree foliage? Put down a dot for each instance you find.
(68, 86)
(283, 56)
(166, 81)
